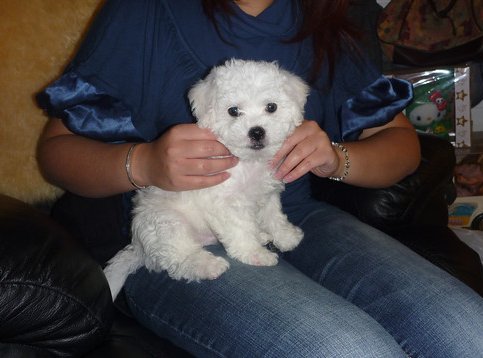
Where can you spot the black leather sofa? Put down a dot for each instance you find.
(54, 299)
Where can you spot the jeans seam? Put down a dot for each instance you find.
(164, 322)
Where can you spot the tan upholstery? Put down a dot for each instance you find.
(37, 38)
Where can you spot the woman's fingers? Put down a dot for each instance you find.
(307, 149)
(188, 157)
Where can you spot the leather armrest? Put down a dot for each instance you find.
(53, 297)
(419, 199)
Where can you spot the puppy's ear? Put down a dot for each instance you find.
(296, 88)
(201, 97)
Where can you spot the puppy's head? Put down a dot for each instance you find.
(250, 106)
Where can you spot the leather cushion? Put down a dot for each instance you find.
(53, 296)
(419, 199)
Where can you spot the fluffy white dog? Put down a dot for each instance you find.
(251, 107)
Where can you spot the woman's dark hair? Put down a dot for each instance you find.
(325, 20)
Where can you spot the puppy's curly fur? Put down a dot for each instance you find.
(251, 107)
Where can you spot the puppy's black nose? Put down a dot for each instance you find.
(256, 133)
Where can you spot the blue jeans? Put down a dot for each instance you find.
(348, 290)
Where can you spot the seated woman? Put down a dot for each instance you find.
(347, 290)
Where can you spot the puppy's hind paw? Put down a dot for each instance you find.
(264, 238)
(214, 268)
(288, 238)
(202, 265)
(259, 257)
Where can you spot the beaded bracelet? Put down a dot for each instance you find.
(128, 167)
(347, 163)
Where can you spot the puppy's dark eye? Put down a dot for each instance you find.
(271, 107)
(234, 111)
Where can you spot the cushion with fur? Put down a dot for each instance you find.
(37, 39)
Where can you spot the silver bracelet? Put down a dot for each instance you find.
(128, 167)
(347, 163)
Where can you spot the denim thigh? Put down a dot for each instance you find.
(429, 312)
(256, 312)
(348, 290)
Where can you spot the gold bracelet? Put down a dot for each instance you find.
(347, 163)
(128, 167)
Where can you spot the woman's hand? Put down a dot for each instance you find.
(379, 158)
(186, 157)
(308, 149)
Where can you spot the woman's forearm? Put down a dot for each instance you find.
(83, 166)
(382, 159)
(186, 157)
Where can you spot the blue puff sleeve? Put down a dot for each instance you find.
(88, 97)
(116, 87)
(374, 106)
(87, 110)
(360, 97)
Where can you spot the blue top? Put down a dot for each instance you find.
(129, 80)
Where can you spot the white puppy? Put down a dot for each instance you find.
(251, 107)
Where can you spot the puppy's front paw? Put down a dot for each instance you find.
(288, 237)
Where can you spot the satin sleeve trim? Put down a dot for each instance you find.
(374, 106)
(87, 110)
